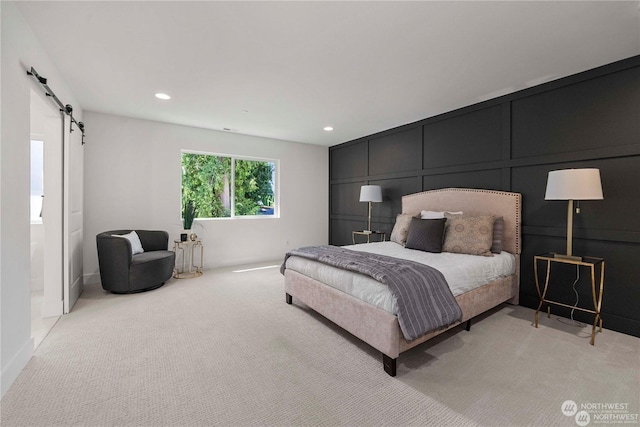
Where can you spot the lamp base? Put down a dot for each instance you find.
(367, 231)
(569, 257)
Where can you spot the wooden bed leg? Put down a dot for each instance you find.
(468, 327)
(288, 298)
(389, 365)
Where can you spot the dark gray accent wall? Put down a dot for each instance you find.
(510, 143)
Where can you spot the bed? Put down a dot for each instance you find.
(378, 326)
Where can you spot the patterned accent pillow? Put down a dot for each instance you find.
(498, 235)
(401, 229)
(426, 235)
(471, 235)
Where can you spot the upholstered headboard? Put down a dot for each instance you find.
(473, 201)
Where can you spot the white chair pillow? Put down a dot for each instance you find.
(136, 244)
(436, 214)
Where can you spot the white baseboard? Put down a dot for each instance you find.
(91, 278)
(15, 366)
(75, 291)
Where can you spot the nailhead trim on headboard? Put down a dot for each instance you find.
(517, 200)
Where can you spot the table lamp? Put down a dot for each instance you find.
(370, 193)
(573, 184)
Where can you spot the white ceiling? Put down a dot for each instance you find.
(295, 67)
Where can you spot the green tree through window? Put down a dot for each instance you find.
(209, 182)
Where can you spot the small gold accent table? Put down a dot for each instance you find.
(592, 264)
(185, 252)
(382, 238)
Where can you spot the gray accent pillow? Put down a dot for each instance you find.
(498, 235)
(401, 228)
(426, 234)
(467, 234)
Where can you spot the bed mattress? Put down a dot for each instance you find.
(462, 272)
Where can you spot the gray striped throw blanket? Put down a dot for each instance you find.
(425, 302)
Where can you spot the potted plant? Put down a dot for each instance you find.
(188, 214)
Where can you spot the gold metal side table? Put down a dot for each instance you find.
(186, 266)
(382, 236)
(592, 264)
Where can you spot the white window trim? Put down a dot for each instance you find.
(233, 157)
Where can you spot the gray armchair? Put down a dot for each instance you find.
(124, 273)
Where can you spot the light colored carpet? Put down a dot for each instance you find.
(225, 349)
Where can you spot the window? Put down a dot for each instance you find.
(227, 187)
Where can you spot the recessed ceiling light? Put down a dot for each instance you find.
(328, 128)
(163, 96)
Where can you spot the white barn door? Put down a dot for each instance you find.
(73, 214)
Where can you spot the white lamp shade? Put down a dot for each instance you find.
(574, 184)
(370, 193)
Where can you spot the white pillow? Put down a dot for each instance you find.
(436, 214)
(136, 244)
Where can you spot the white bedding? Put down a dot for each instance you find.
(462, 272)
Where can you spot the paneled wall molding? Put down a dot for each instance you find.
(630, 150)
(590, 234)
(600, 153)
(358, 218)
(510, 143)
(433, 171)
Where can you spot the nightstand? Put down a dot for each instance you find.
(381, 235)
(593, 264)
(186, 255)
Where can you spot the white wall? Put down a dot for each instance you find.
(37, 257)
(133, 177)
(19, 51)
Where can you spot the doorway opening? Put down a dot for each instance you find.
(46, 163)
(40, 326)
